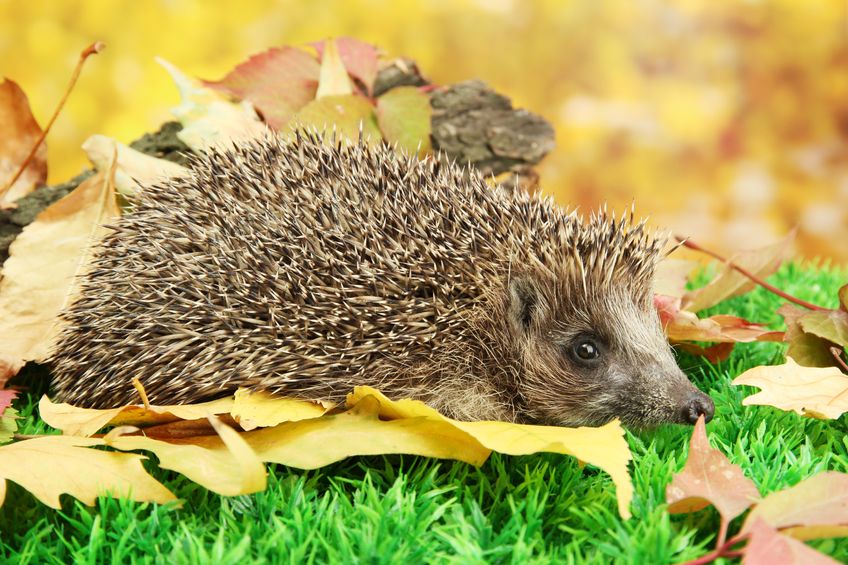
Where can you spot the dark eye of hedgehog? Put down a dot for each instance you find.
(586, 350)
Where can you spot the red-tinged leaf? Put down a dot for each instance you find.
(709, 478)
(333, 80)
(359, 58)
(760, 262)
(831, 325)
(818, 392)
(808, 510)
(682, 325)
(713, 354)
(347, 115)
(6, 398)
(671, 276)
(403, 114)
(769, 547)
(278, 83)
(18, 133)
(806, 349)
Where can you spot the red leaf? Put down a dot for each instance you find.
(278, 83)
(6, 398)
(359, 58)
(769, 547)
(709, 478)
(682, 325)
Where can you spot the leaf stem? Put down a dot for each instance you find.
(694, 246)
(724, 550)
(92, 49)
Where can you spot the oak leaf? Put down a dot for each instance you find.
(709, 478)
(18, 133)
(819, 392)
(85, 473)
(40, 277)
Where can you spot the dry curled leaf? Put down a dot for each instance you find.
(709, 478)
(805, 348)
(85, 473)
(18, 133)
(683, 325)
(819, 392)
(41, 275)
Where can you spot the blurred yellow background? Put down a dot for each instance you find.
(726, 121)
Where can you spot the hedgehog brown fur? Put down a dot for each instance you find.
(305, 268)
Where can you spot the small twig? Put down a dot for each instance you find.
(837, 352)
(694, 246)
(92, 49)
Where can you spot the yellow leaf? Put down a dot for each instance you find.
(86, 421)
(83, 473)
(257, 409)
(227, 465)
(134, 169)
(818, 392)
(40, 277)
(333, 79)
(604, 447)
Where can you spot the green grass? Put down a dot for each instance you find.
(532, 509)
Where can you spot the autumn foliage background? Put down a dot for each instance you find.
(726, 121)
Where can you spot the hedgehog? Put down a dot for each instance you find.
(306, 266)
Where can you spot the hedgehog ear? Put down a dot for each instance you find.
(525, 302)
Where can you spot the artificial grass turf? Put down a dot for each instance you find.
(393, 509)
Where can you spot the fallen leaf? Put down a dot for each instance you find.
(18, 133)
(768, 547)
(403, 114)
(671, 276)
(809, 391)
(761, 262)
(6, 398)
(133, 169)
(814, 508)
(278, 82)
(843, 298)
(709, 478)
(208, 119)
(333, 79)
(257, 409)
(713, 354)
(230, 469)
(41, 274)
(73, 420)
(8, 426)
(683, 325)
(346, 115)
(806, 349)
(359, 58)
(85, 473)
(831, 325)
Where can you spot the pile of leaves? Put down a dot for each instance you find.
(223, 445)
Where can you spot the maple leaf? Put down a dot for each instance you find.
(769, 547)
(208, 118)
(85, 473)
(816, 507)
(818, 392)
(358, 57)
(133, 169)
(278, 83)
(18, 133)
(709, 478)
(57, 242)
(760, 262)
(403, 114)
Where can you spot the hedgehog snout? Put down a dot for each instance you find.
(695, 405)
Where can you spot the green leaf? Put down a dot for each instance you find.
(347, 113)
(404, 117)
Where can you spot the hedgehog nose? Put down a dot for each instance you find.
(697, 404)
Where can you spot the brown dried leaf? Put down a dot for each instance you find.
(809, 391)
(85, 473)
(760, 262)
(683, 325)
(806, 349)
(40, 277)
(769, 547)
(831, 325)
(18, 133)
(278, 83)
(709, 478)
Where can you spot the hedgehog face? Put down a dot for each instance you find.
(590, 357)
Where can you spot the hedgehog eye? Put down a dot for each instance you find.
(586, 351)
